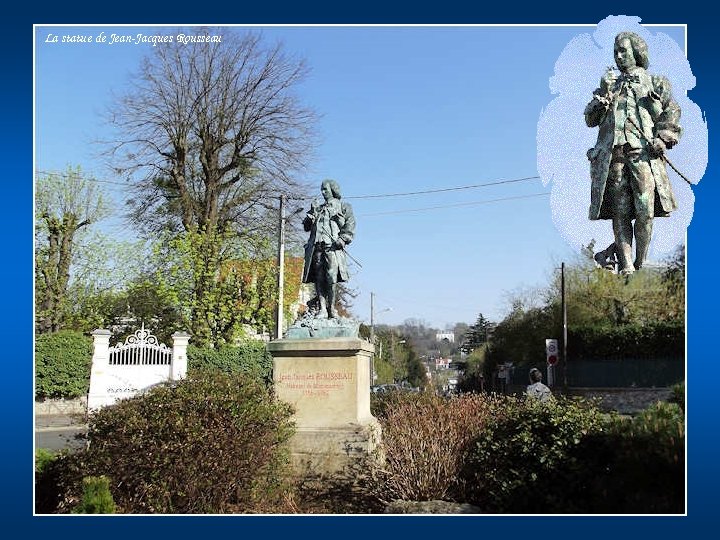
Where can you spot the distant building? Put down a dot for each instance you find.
(441, 336)
(442, 363)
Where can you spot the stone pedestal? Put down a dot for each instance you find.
(328, 383)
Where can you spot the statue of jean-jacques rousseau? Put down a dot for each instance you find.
(331, 225)
(638, 120)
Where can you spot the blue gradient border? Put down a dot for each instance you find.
(17, 458)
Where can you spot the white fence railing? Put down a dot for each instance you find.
(125, 369)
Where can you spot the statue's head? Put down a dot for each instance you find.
(333, 186)
(535, 375)
(638, 45)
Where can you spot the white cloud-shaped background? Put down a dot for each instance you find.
(563, 138)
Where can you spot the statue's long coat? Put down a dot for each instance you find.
(344, 232)
(659, 117)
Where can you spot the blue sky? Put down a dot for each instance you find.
(402, 109)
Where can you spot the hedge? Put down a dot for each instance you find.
(661, 339)
(250, 357)
(62, 364)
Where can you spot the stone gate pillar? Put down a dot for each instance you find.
(178, 368)
(97, 397)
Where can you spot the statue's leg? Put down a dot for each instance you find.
(618, 189)
(320, 293)
(331, 280)
(643, 186)
(331, 299)
(623, 230)
(643, 236)
(320, 285)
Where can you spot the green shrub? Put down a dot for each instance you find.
(521, 447)
(250, 357)
(570, 458)
(62, 364)
(43, 456)
(56, 482)
(635, 466)
(678, 395)
(96, 498)
(663, 339)
(425, 439)
(211, 443)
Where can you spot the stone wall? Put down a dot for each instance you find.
(61, 407)
(624, 400)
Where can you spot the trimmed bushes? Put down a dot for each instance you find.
(212, 443)
(425, 439)
(635, 466)
(62, 364)
(250, 357)
(522, 446)
(516, 455)
(661, 339)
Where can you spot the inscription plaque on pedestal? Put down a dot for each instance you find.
(328, 383)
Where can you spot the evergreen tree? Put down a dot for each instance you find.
(477, 334)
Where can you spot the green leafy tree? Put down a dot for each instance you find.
(608, 315)
(66, 205)
(104, 284)
(472, 376)
(415, 370)
(215, 298)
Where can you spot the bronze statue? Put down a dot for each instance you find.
(332, 226)
(638, 120)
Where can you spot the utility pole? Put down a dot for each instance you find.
(281, 270)
(372, 337)
(372, 317)
(564, 324)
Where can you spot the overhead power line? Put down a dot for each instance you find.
(380, 196)
(473, 203)
(440, 190)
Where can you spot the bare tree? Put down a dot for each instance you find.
(209, 131)
(210, 134)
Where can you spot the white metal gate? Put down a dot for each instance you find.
(140, 349)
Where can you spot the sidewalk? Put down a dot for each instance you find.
(57, 431)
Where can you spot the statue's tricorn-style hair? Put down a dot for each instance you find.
(334, 187)
(639, 47)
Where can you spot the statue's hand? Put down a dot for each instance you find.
(657, 147)
(334, 207)
(606, 100)
(339, 244)
(608, 79)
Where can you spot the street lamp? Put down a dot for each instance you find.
(372, 335)
(281, 266)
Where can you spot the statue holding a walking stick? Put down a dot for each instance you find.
(638, 121)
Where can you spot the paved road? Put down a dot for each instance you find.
(57, 432)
